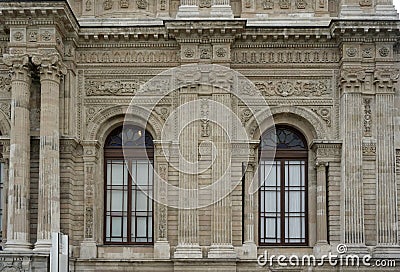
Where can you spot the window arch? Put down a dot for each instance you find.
(128, 186)
(283, 191)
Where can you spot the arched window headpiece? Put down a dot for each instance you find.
(283, 137)
(129, 136)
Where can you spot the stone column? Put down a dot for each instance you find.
(386, 208)
(351, 115)
(91, 170)
(188, 236)
(51, 70)
(161, 245)
(221, 224)
(19, 172)
(188, 9)
(322, 228)
(221, 9)
(249, 244)
(5, 161)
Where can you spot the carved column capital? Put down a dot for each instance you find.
(384, 79)
(50, 66)
(19, 66)
(326, 151)
(352, 77)
(91, 150)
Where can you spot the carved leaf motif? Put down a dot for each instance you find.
(5, 83)
(110, 87)
(286, 88)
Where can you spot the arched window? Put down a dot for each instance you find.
(283, 190)
(128, 186)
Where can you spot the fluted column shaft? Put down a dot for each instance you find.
(188, 236)
(49, 151)
(351, 130)
(19, 173)
(386, 211)
(322, 229)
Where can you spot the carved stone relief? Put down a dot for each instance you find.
(5, 84)
(285, 88)
(111, 87)
(367, 117)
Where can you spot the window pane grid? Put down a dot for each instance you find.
(283, 202)
(128, 207)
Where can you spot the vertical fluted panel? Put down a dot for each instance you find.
(322, 230)
(221, 174)
(352, 168)
(386, 184)
(188, 217)
(189, 2)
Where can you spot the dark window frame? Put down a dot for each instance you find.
(283, 156)
(140, 153)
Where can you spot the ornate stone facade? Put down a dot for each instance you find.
(69, 71)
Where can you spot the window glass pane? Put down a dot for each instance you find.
(117, 200)
(271, 227)
(107, 226)
(118, 170)
(116, 226)
(141, 226)
(270, 205)
(294, 227)
(141, 201)
(142, 173)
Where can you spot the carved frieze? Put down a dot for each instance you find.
(128, 56)
(298, 87)
(141, 4)
(265, 56)
(284, 4)
(268, 4)
(369, 149)
(205, 3)
(111, 87)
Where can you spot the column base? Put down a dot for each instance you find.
(222, 252)
(88, 250)
(188, 252)
(162, 250)
(186, 12)
(386, 252)
(221, 11)
(354, 249)
(17, 246)
(249, 251)
(321, 248)
(42, 246)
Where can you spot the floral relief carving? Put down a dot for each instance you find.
(369, 149)
(131, 56)
(205, 4)
(365, 3)
(301, 4)
(18, 36)
(367, 52)
(284, 4)
(89, 222)
(205, 126)
(285, 88)
(141, 4)
(111, 87)
(268, 4)
(46, 36)
(221, 52)
(88, 5)
(33, 36)
(324, 113)
(189, 53)
(351, 52)
(124, 4)
(163, 4)
(107, 4)
(367, 117)
(5, 84)
(384, 52)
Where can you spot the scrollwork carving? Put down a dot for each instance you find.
(285, 88)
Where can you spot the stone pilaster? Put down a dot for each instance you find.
(19, 171)
(90, 160)
(386, 208)
(221, 224)
(188, 236)
(161, 245)
(51, 70)
(351, 115)
(188, 9)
